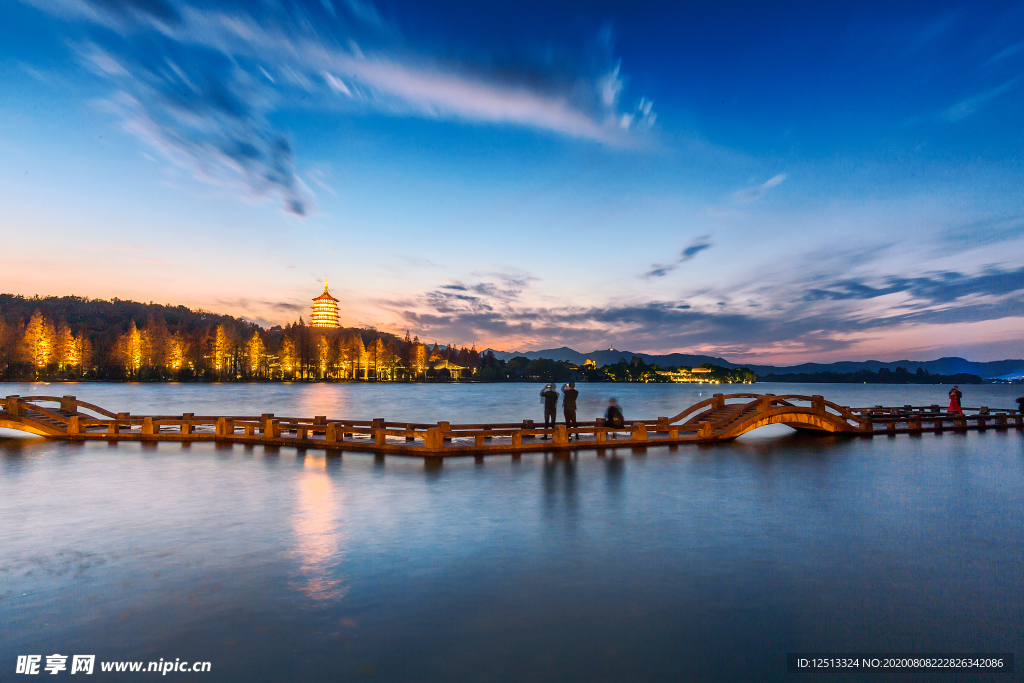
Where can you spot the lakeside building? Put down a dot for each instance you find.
(325, 311)
(694, 376)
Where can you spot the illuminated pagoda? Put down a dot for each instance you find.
(325, 310)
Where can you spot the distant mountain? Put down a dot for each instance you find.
(1001, 369)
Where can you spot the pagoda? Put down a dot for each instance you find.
(325, 310)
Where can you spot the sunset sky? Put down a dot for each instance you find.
(780, 184)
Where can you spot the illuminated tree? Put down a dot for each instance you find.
(256, 353)
(129, 348)
(68, 349)
(323, 355)
(223, 349)
(177, 348)
(286, 357)
(39, 341)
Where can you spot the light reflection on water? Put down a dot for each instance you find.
(688, 563)
(319, 533)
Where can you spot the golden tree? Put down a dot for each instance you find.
(68, 349)
(323, 355)
(357, 355)
(223, 349)
(286, 357)
(39, 341)
(177, 348)
(256, 353)
(129, 348)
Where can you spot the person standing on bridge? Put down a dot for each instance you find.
(569, 406)
(550, 398)
(955, 395)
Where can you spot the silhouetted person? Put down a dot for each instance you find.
(613, 416)
(569, 405)
(550, 397)
(955, 395)
(1020, 405)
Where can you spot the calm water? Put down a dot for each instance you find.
(696, 563)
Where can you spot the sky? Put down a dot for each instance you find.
(804, 182)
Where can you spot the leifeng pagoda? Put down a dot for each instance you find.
(325, 310)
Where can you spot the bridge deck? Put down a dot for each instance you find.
(720, 418)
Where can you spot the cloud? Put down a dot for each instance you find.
(698, 245)
(964, 108)
(200, 83)
(749, 194)
(938, 288)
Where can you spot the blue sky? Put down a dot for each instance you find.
(810, 182)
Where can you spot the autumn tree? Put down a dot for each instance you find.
(39, 341)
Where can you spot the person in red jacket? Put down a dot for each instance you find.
(954, 400)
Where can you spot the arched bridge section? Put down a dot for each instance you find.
(724, 417)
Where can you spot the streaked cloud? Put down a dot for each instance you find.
(966, 107)
(697, 245)
(754, 192)
(200, 83)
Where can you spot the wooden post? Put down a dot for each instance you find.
(68, 404)
(112, 428)
(12, 406)
(320, 420)
(250, 430)
(601, 434)
(560, 436)
(265, 419)
(222, 427)
(434, 441)
(764, 403)
(301, 433)
(331, 437)
(890, 427)
(705, 430)
(818, 405)
(478, 440)
(187, 427)
(274, 427)
(938, 424)
(117, 425)
(379, 437)
(639, 431)
(673, 433)
(867, 427)
(1001, 421)
(982, 419)
(446, 428)
(719, 401)
(517, 439)
(147, 426)
(915, 423)
(528, 424)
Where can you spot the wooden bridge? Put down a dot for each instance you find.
(719, 418)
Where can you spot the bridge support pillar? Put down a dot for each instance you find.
(74, 429)
(434, 441)
(147, 426)
(673, 433)
(379, 437)
(560, 437)
(639, 432)
(517, 440)
(601, 434)
(331, 435)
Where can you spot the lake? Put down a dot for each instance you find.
(667, 564)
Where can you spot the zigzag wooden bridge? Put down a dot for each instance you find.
(719, 418)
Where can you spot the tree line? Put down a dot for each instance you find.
(74, 338)
(884, 376)
(51, 338)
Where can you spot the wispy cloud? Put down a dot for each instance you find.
(964, 108)
(200, 84)
(749, 194)
(696, 246)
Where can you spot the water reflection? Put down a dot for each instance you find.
(318, 531)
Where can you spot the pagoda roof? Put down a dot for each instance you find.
(325, 296)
